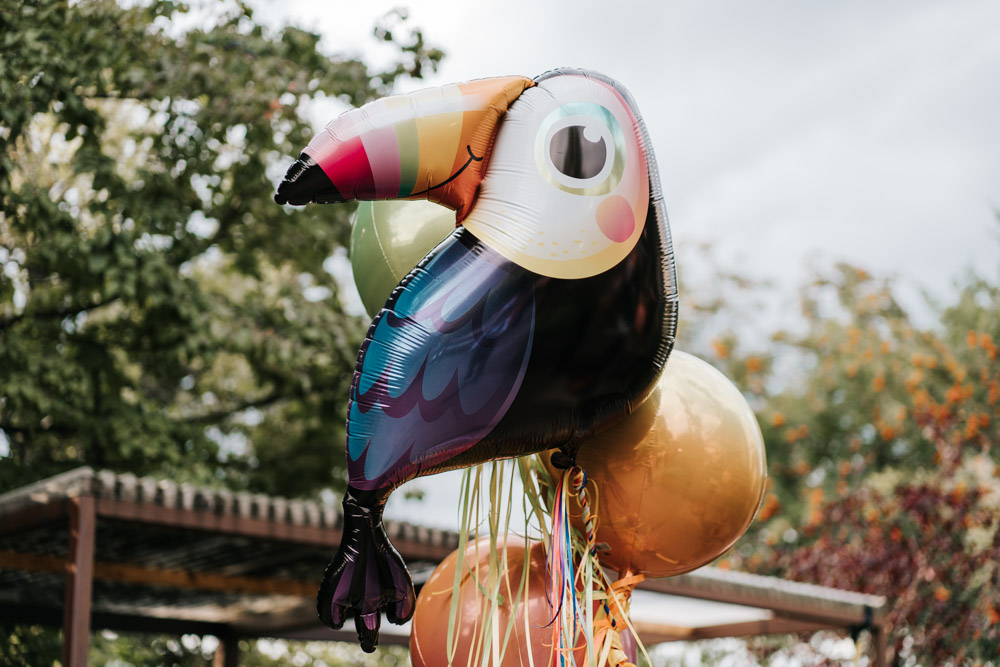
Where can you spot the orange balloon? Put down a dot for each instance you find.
(680, 480)
(429, 634)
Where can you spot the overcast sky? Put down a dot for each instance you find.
(787, 133)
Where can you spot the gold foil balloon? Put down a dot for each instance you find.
(388, 239)
(429, 635)
(680, 480)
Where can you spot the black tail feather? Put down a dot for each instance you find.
(367, 575)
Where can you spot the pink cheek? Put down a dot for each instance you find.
(616, 219)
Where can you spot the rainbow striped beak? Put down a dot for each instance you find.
(432, 144)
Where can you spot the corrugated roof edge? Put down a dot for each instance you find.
(222, 502)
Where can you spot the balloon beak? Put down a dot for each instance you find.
(305, 182)
(432, 144)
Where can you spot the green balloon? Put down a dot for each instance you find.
(388, 239)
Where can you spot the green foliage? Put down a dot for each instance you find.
(158, 312)
(107, 648)
(195, 651)
(29, 646)
(340, 654)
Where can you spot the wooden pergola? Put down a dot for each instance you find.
(89, 550)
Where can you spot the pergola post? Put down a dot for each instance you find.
(883, 654)
(79, 581)
(228, 653)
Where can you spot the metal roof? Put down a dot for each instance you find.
(167, 557)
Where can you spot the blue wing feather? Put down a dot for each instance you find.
(441, 364)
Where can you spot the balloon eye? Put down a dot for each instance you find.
(580, 149)
(578, 152)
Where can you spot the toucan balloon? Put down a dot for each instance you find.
(544, 318)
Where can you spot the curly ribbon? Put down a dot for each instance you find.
(562, 576)
(604, 630)
(569, 616)
(612, 619)
(589, 564)
(578, 484)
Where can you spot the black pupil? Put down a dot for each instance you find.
(576, 156)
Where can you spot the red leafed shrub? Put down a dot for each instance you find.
(882, 459)
(929, 545)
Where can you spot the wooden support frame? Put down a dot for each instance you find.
(29, 518)
(259, 528)
(228, 653)
(53, 616)
(79, 581)
(883, 653)
(799, 606)
(150, 576)
(796, 609)
(83, 497)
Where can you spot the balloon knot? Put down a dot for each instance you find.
(562, 460)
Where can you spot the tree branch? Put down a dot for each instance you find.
(59, 313)
(221, 415)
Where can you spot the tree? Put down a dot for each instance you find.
(158, 312)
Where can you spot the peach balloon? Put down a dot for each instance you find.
(681, 479)
(429, 635)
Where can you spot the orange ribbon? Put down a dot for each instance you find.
(610, 620)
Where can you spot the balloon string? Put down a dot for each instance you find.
(588, 557)
(612, 619)
(562, 575)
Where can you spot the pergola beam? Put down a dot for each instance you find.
(794, 600)
(150, 576)
(770, 626)
(32, 517)
(53, 616)
(252, 527)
